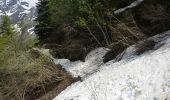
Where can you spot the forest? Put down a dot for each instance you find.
(72, 28)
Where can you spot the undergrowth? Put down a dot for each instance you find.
(23, 74)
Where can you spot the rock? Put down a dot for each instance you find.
(145, 46)
(109, 56)
(115, 51)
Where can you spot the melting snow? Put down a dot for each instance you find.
(145, 77)
(132, 5)
(93, 61)
(31, 30)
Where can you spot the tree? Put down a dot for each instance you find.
(52, 16)
(6, 27)
(43, 29)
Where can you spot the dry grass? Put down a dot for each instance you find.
(125, 32)
(24, 74)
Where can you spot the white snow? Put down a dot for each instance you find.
(14, 8)
(17, 28)
(93, 61)
(8, 2)
(132, 5)
(25, 12)
(9, 13)
(31, 30)
(145, 77)
(31, 2)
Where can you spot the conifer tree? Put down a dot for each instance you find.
(42, 29)
(6, 27)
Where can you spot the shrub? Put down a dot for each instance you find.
(23, 75)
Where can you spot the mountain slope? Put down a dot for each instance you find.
(144, 77)
(21, 13)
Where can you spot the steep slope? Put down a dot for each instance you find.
(135, 77)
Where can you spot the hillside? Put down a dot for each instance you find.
(84, 49)
(144, 77)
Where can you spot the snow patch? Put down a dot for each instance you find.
(26, 7)
(31, 30)
(146, 77)
(78, 68)
(32, 2)
(132, 5)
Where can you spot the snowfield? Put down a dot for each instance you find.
(144, 77)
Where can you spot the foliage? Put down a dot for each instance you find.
(42, 28)
(22, 69)
(6, 27)
(21, 73)
(94, 16)
(92, 23)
